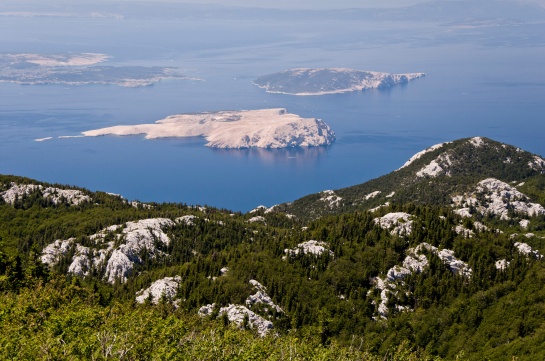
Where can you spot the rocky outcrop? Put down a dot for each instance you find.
(415, 262)
(166, 287)
(398, 223)
(492, 196)
(331, 199)
(310, 247)
(55, 195)
(261, 297)
(133, 239)
(238, 313)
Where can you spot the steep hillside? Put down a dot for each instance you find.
(442, 258)
(435, 176)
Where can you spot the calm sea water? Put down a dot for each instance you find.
(480, 82)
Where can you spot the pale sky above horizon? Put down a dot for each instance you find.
(324, 4)
(305, 4)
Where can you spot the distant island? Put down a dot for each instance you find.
(263, 128)
(321, 81)
(78, 69)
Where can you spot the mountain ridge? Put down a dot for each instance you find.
(451, 266)
(432, 176)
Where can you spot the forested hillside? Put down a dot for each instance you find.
(432, 261)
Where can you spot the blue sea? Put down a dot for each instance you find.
(480, 82)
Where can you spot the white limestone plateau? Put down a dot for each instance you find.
(263, 128)
(398, 223)
(55, 195)
(331, 198)
(492, 196)
(415, 262)
(321, 81)
(310, 247)
(119, 261)
(166, 287)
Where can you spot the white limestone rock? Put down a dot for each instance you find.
(206, 310)
(498, 197)
(537, 163)
(372, 195)
(524, 224)
(502, 264)
(309, 247)
(188, 220)
(138, 236)
(436, 167)
(52, 253)
(461, 230)
(415, 262)
(260, 219)
(398, 223)
(257, 209)
(236, 314)
(331, 199)
(421, 153)
(134, 237)
(261, 297)
(379, 207)
(167, 287)
(526, 249)
(55, 195)
(477, 142)
(263, 128)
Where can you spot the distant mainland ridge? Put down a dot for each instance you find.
(321, 81)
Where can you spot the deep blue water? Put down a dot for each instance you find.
(478, 83)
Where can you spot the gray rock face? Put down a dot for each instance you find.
(119, 262)
(320, 81)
